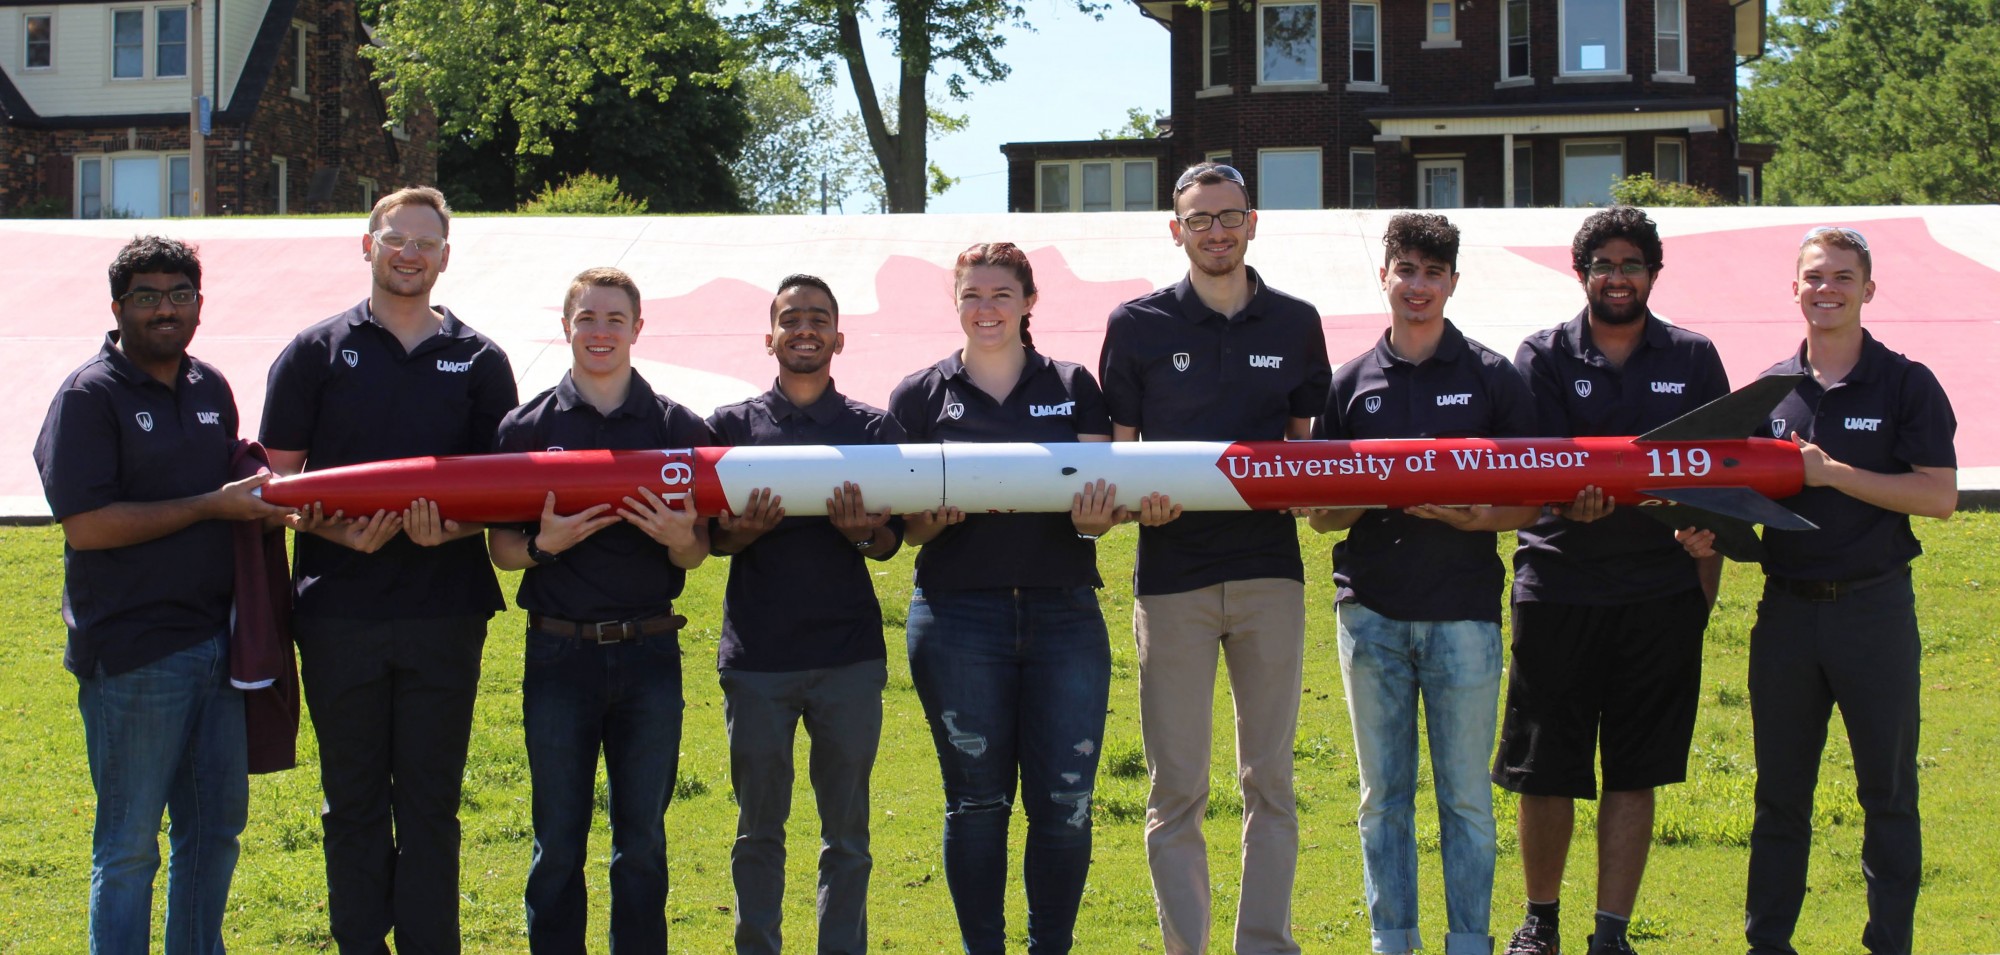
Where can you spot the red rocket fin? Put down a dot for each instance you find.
(1734, 416)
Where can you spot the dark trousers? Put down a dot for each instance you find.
(1014, 684)
(841, 708)
(1860, 652)
(578, 697)
(391, 704)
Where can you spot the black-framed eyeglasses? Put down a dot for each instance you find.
(151, 297)
(397, 241)
(1194, 174)
(1203, 221)
(1839, 230)
(1599, 270)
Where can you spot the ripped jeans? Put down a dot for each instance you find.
(1014, 684)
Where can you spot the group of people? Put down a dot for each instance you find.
(1007, 646)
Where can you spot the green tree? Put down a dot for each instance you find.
(1879, 102)
(960, 38)
(1139, 124)
(584, 194)
(1641, 189)
(527, 68)
(801, 153)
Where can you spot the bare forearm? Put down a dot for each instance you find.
(134, 522)
(1925, 492)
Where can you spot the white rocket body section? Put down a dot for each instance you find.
(903, 477)
(1045, 477)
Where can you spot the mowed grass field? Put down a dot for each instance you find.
(1691, 903)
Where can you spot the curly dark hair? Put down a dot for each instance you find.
(1426, 233)
(802, 280)
(153, 253)
(1617, 222)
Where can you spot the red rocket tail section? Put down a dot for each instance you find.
(1731, 512)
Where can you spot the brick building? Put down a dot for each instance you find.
(94, 110)
(1427, 104)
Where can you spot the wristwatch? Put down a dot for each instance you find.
(865, 542)
(1087, 537)
(539, 555)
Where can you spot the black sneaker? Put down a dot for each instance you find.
(1618, 946)
(1534, 938)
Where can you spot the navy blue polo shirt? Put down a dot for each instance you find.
(1409, 568)
(1888, 415)
(345, 392)
(114, 434)
(1626, 557)
(1180, 371)
(1053, 402)
(618, 573)
(800, 597)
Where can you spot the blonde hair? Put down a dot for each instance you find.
(411, 196)
(600, 277)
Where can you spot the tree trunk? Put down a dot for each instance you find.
(901, 154)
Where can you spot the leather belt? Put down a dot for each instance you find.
(608, 631)
(1824, 591)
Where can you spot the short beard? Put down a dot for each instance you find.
(1604, 312)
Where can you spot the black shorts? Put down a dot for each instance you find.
(1629, 673)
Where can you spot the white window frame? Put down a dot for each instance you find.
(1433, 39)
(370, 191)
(1607, 74)
(1319, 181)
(149, 42)
(1354, 82)
(1354, 156)
(302, 60)
(1507, 41)
(1219, 156)
(1319, 42)
(282, 170)
(106, 182)
(1209, 81)
(1661, 69)
(1119, 196)
(1746, 185)
(1524, 158)
(1426, 163)
(1624, 167)
(1668, 142)
(50, 16)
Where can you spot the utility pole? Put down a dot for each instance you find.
(197, 136)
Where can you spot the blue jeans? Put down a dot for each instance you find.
(1454, 668)
(1014, 684)
(167, 736)
(624, 698)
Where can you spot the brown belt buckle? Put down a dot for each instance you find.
(601, 632)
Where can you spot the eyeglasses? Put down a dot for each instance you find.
(1841, 231)
(1194, 174)
(150, 297)
(1202, 221)
(397, 242)
(1599, 270)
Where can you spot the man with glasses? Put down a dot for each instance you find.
(1837, 624)
(1608, 609)
(390, 607)
(135, 460)
(1218, 356)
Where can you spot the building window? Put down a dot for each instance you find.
(1668, 29)
(1524, 175)
(38, 31)
(281, 185)
(1670, 160)
(1588, 170)
(170, 41)
(1746, 185)
(1288, 179)
(1106, 185)
(301, 56)
(1361, 179)
(368, 190)
(1288, 35)
(1215, 29)
(132, 186)
(1514, 41)
(1364, 43)
(1593, 36)
(1219, 156)
(1443, 22)
(1440, 183)
(128, 44)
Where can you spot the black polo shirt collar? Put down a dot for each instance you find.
(1450, 346)
(1584, 349)
(1196, 311)
(449, 328)
(1867, 369)
(131, 374)
(826, 410)
(953, 366)
(639, 397)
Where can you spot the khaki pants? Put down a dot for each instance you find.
(1260, 626)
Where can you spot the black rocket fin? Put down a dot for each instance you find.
(1731, 512)
(1738, 414)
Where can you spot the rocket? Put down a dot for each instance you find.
(1703, 469)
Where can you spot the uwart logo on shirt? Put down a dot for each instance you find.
(1864, 424)
(454, 366)
(1670, 387)
(1043, 411)
(1266, 361)
(208, 417)
(1464, 398)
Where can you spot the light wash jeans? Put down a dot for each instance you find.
(167, 736)
(1454, 668)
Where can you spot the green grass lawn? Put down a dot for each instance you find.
(1692, 900)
